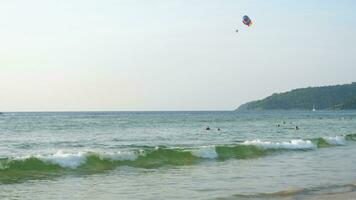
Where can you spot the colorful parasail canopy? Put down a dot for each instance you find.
(246, 20)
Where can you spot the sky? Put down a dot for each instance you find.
(137, 55)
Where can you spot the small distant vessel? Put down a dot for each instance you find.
(314, 109)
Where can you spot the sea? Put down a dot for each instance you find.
(172, 155)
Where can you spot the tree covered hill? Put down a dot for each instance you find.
(326, 97)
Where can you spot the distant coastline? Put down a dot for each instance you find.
(336, 97)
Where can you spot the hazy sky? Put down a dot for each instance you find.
(169, 54)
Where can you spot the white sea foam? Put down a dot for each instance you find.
(293, 144)
(74, 160)
(337, 140)
(205, 152)
(120, 155)
(69, 160)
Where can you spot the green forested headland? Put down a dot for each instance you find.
(338, 97)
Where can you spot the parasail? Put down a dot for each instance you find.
(246, 20)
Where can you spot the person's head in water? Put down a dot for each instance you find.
(296, 128)
(207, 128)
(218, 129)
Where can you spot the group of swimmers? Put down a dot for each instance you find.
(278, 125)
(208, 129)
(296, 127)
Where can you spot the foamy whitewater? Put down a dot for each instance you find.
(170, 155)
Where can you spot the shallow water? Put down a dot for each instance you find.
(170, 155)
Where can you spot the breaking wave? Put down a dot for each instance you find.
(36, 166)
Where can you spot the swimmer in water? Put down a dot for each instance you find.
(207, 128)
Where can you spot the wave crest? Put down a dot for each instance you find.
(293, 144)
(35, 166)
